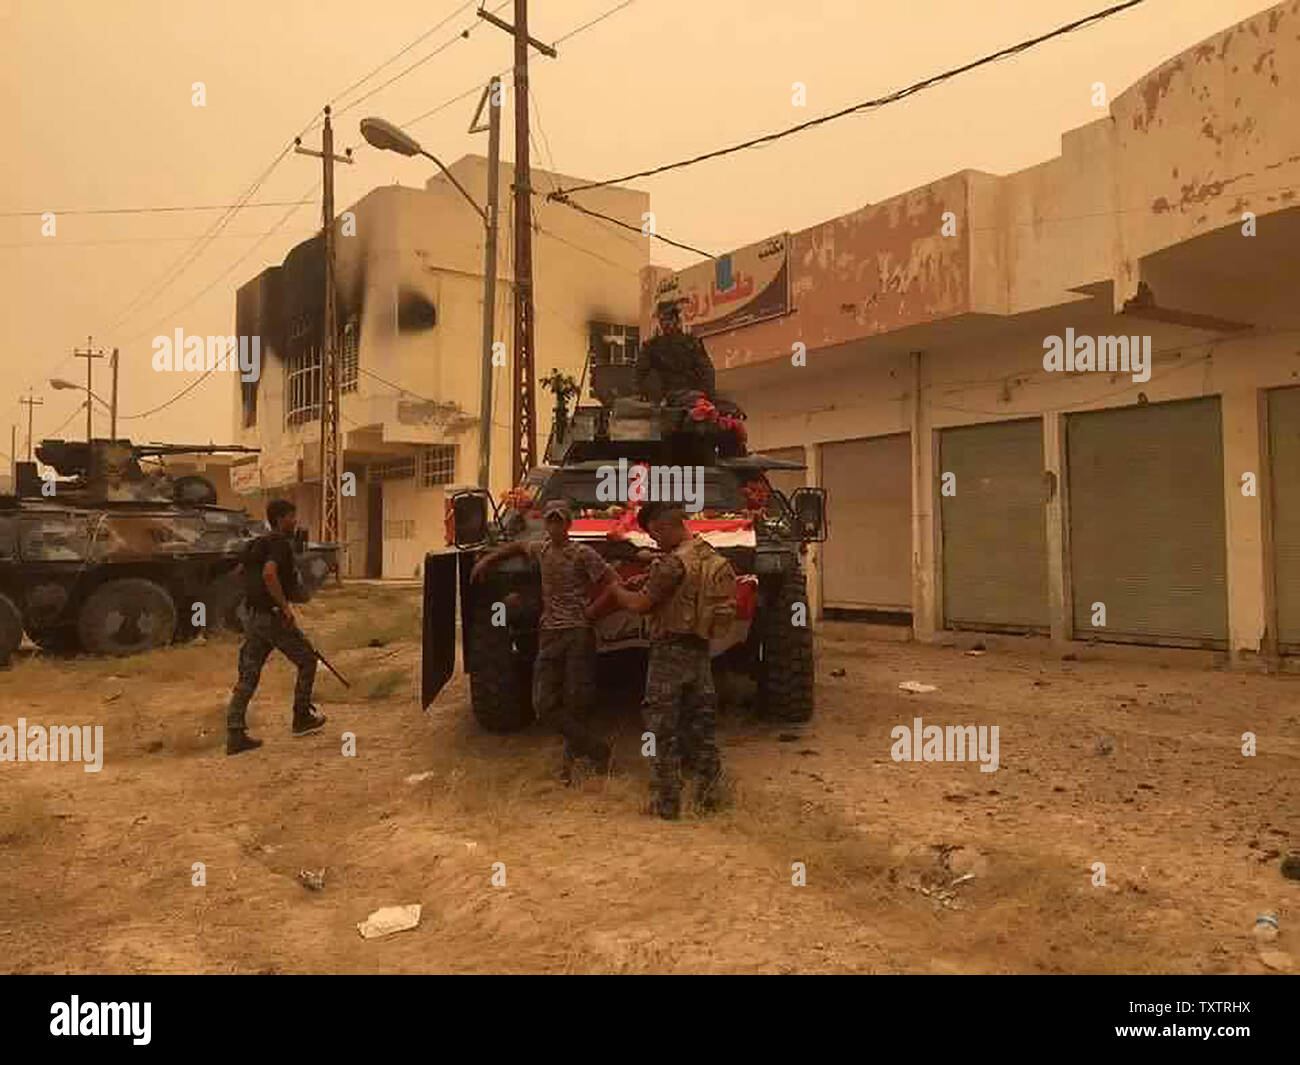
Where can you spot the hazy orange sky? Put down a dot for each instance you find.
(97, 113)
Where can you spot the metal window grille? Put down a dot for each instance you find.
(393, 470)
(438, 465)
(349, 356)
(613, 344)
(400, 529)
(302, 370)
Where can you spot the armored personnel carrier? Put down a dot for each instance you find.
(102, 555)
(691, 450)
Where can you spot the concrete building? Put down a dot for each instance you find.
(410, 302)
(901, 350)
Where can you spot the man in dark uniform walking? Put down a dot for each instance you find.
(675, 357)
(564, 673)
(271, 585)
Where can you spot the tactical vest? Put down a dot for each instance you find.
(704, 603)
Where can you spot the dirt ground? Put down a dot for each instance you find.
(1134, 764)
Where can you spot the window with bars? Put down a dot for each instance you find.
(349, 345)
(438, 465)
(613, 344)
(392, 470)
(399, 529)
(302, 371)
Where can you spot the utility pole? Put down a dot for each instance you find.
(89, 354)
(112, 410)
(492, 98)
(330, 471)
(29, 402)
(525, 422)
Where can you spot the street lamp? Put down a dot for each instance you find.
(60, 383)
(382, 134)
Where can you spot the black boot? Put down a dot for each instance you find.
(307, 720)
(669, 809)
(238, 740)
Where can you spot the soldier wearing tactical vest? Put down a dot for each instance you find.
(676, 358)
(690, 595)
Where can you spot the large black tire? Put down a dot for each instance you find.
(222, 599)
(126, 616)
(500, 676)
(785, 671)
(62, 640)
(11, 628)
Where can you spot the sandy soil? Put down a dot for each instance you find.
(96, 869)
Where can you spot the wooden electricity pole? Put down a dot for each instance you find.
(29, 402)
(491, 99)
(331, 475)
(89, 354)
(525, 410)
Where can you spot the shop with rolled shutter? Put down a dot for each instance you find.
(1146, 523)
(994, 533)
(1284, 449)
(866, 561)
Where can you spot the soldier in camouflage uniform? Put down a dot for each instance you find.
(676, 358)
(564, 673)
(271, 585)
(680, 706)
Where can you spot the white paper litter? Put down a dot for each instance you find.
(390, 919)
(415, 778)
(917, 687)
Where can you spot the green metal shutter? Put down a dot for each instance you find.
(867, 559)
(1284, 446)
(994, 527)
(1147, 523)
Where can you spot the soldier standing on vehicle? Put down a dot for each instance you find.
(690, 597)
(271, 584)
(678, 358)
(564, 673)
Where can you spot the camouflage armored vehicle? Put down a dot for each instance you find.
(110, 558)
(758, 529)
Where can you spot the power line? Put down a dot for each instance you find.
(462, 35)
(183, 392)
(195, 384)
(212, 284)
(397, 55)
(54, 435)
(47, 243)
(144, 210)
(866, 105)
(599, 18)
(189, 257)
(508, 72)
(560, 197)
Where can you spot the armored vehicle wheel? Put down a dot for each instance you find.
(126, 616)
(11, 628)
(57, 641)
(500, 677)
(785, 674)
(221, 600)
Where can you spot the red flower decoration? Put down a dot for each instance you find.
(704, 411)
